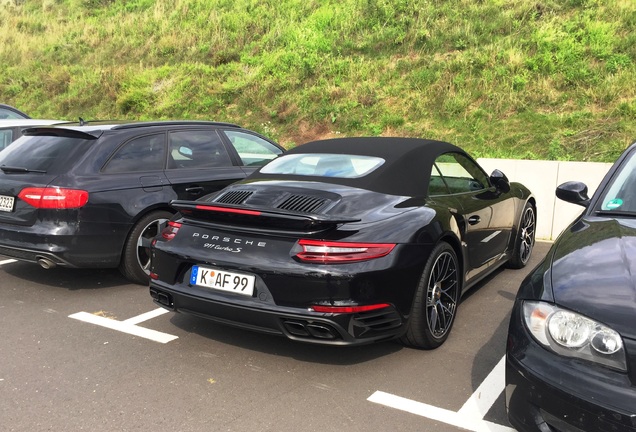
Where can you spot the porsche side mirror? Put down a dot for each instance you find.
(573, 192)
(500, 181)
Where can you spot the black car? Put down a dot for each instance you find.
(9, 112)
(95, 194)
(345, 241)
(571, 353)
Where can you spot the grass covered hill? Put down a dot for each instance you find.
(539, 79)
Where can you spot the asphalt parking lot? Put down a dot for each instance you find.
(85, 350)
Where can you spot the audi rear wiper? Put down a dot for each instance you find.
(10, 169)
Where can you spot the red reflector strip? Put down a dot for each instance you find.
(228, 210)
(348, 309)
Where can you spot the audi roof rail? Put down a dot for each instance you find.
(172, 123)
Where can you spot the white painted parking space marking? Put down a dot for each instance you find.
(469, 417)
(7, 261)
(487, 393)
(146, 316)
(128, 326)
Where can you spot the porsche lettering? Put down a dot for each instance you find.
(229, 240)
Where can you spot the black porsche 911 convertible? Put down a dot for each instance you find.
(345, 241)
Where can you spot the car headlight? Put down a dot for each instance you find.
(573, 335)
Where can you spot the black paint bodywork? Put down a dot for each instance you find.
(356, 210)
(591, 270)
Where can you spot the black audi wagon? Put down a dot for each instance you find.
(94, 194)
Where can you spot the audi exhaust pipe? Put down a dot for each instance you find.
(46, 263)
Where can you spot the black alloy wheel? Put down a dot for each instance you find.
(525, 238)
(436, 299)
(135, 262)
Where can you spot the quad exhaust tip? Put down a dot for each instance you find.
(311, 330)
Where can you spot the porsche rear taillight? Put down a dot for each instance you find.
(330, 252)
(171, 230)
(54, 197)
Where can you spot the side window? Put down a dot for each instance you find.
(197, 149)
(10, 114)
(253, 150)
(436, 184)
(460, 174)
(146, 153)
(6, 137)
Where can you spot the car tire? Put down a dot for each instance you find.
(135, 261)
(524, 243)
(436, 300)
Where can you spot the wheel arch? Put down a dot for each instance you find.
(146, 211)
(533, 201)
(455, 243)
(517, 223)
(138, 217)
(132, 265)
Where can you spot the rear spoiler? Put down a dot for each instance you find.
(62, 131)
(255, 217)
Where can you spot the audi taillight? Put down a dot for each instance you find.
(319, 251)
(170, 230)
(54, 197)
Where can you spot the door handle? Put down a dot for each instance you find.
(474, 220)
(194, 190)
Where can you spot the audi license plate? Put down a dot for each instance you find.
(222, 280)
(6, 203)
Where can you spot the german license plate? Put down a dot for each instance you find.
(222, 280)
(6, 203)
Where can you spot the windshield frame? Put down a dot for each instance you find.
(617, 196)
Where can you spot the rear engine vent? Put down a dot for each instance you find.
(234, 197)
(301, 203)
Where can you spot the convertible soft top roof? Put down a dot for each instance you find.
(406, 172)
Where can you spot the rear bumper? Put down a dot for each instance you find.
(65, 246)
(32, 255)
(294, 323)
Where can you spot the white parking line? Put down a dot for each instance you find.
(146, 316)
(469, 417)
(7, 261)
(128, 326)
(487, 393)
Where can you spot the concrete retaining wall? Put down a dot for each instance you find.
(542, 178)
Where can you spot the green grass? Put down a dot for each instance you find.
(547, 79)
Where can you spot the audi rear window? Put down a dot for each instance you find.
(50, 154)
